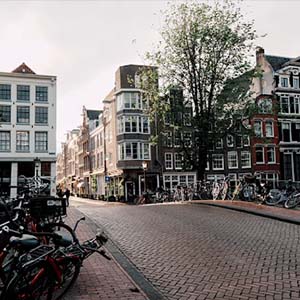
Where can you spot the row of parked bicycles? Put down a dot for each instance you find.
(40, 255)
(248, 188)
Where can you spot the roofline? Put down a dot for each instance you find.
(29, 76)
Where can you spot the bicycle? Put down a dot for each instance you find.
(45, 271)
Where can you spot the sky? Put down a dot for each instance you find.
(84, 42)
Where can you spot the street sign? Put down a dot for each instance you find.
(107, 179)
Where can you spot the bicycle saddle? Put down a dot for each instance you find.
(26, 242)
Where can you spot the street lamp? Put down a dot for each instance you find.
(145, 166)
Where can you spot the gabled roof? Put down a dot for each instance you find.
(277, 61)
(23, 68)
(93, 114)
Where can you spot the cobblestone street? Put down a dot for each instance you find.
(202, 252)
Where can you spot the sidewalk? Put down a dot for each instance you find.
(100, 278)
(277, 213)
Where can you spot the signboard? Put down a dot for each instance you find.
(107, 179)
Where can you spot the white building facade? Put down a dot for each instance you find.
(27, 127)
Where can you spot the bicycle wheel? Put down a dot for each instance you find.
(65, 231)
(70, 269)
(274, 197)
(292, 201)
(30, 284)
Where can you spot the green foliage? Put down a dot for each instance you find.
(205, 50)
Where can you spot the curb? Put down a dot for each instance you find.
(253, 212)
(126, 265)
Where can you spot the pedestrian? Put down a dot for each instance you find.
(67, 194)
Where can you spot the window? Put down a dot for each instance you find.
(41, 93)
(296, 83)
(5, 113)
(23, 92)
(41, 115)
(229, 140)
(245, 159)
(239, 141)
(286, 132)
(178, 161)
(294, 105)
(187, 138)
(135, 150)
(269, 128)
(168, 139)
(177, 139)
(232, 160)
(246, 140)
(146, 151)
(271, 154)
(219, 143)
(5, 91)
(168, 161)
(22, 139)
(284, 81)
(130, 101)
(23, 114)
(101, 162)
(187, 119)
(265, 106)
(258, 128)
(4, 141)
(217, 161)
(259, 153)
(41, 141)
(284, 104)
(145, 125)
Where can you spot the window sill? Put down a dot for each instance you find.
(5, 151)
(23, 151)
(41, 124)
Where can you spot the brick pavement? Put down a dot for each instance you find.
(100, 278)
(201, 252)
(275, 212)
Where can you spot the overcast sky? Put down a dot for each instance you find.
(84, 42)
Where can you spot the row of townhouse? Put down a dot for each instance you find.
(115, 156)
(27, 127)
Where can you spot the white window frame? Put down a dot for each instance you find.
(178, 161)
(230, 160)
(281, 81)
(274, 154)
(272, 127)
(258, 129)
(170, 160)
(296, 80)
(290, 131)
(214, 156)
(249, 159)
(264, 105)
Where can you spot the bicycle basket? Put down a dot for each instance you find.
(45, 207)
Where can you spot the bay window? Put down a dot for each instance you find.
(134, 151)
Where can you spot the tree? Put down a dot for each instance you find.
(205, 51)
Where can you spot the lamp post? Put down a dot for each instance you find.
(37, 162)
(145, 165)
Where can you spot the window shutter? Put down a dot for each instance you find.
(276, 77)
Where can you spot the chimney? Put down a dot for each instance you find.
(260, 53)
